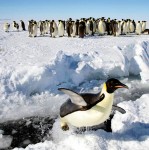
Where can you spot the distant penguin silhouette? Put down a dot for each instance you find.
(73, 34)
(34, 29)
(53, 29)
(69, 27)
(138, 28)
(77, 27)
(82, 29)
(101, 27)
(6, 27)
(22, 25)
(132, 27)
(143, 25)
(118, 32)
(30, 28)
(61, 28)
(41, 28)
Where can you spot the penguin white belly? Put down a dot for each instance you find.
(101, 28)
(74, 31)
(143, 26)
(61, 30)
(138, 29)
(94, 116)
(6, 28)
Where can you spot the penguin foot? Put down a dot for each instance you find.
(65, 127)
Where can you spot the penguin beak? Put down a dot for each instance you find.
(121, 85)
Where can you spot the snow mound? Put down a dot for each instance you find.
(138, 57)
(75, 69)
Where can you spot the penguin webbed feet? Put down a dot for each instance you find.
(65, 127)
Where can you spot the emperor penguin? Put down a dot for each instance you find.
(82, 29)
(77, 27)
(108, 27)
(30, 27)
(118, 32)
(138, 28)
(34, 29)
(69, 27)
(53, 29)
(124, 27)
(41, 27)
(143, 25)
(89, 27)
(22, 25)
(6, 27)
(61, 28)
(86, 109)
(73, 34)
(132, 27)
(128, 25)
(15, 26)
(114, 25)
(47, 26)
(101, 27)
(94, 25)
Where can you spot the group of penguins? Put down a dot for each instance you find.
(80, 27)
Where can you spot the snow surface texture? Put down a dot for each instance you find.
(33, 68)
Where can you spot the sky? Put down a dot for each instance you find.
(64, 9)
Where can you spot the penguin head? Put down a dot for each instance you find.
(113, 84)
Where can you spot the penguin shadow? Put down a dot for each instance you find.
(46, 35)
(137, 131)
(126, 36)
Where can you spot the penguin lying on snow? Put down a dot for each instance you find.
(87, 110)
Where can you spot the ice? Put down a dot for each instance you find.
(130, 129)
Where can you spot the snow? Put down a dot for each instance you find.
(32, 69)
(129, 130)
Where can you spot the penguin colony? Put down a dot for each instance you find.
(80, 27)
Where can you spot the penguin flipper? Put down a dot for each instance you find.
(121, 110)
(75, 97)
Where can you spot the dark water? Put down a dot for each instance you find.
(33, 130)
(27, 131)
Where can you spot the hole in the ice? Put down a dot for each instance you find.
(27, 131)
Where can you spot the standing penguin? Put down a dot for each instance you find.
(34, 29)
(22, 25)
(15, 26)
(30, 27)
(132, 28)
(124, 27)
(87, 110)
(6, 27)
(138, 28)
(128, 25)
(118, 32)
(53, 29)
(69, 27)
(101, 27)
(82, 29)
(61, 28)
(77, 27)
(89, 27)
(143, 25)
(73, 34)
(41, 28)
